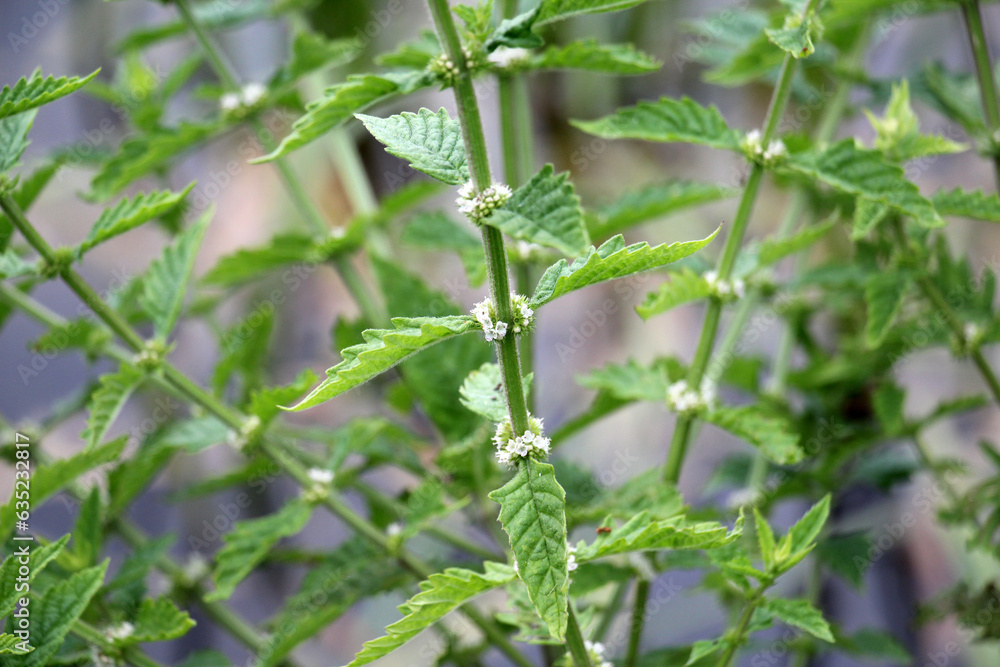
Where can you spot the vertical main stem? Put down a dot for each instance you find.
(973, 15)
(706, 342)
(493, 243)
(638, 621)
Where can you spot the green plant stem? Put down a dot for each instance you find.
(575, 642)
(493, 243)
(361, 197)
(739, 636)
(638, 621)
(730, 251)
(814, 587)
(611, 611)
(131, 654)
(973, 15)
(234, 419)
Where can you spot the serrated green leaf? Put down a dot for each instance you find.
(249, 542)
(956, 95)
(312, 51)
(765, 539)
(14, 138)
(129, 214)
(34, 92)
(644, 533)
(131, 477)
(884, 294)
(53, 477)
(546, 211)
(247, 264)
(533, 514)
(431, 142)
(801, 537)
(770, 433)
(847, 556)
(341, 102)
(633, 381)
(166, 282)
(264, 402)
(516, 32)
(776, 249)
(55, 613)
(870, 643)
(158, 620)
(195, 435)
(591, 56)
(12, 266)
(11, 645)
(968, 204)
(383, 349)
(652, 202)
(865, 173)
(793, 37)
(558, 10)
(38, 558)
(868, 213)
(440, 594)
(683, 287)
(482, 392)
(148, 153)
(87, 534)
(108, 400)
(667, 120)
(612, 260)
(799, 614)
(701, 649)
(350, 573)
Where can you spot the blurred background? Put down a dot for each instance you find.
(78, 36)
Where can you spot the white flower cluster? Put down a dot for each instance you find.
(121, 631)
(247, 433)
(479, 206)
(753, 147)
(524, 315)
(571, 563)
(320, 476)
(485, 314)
(251, 94)
(506, 57)
(444, 67)
(685, 400)
(969, 341)
(724, 289)
(511, 448)
(597, 654)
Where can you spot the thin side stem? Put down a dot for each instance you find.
(730, 251)
(739, 637)
(638, 621)
(973, 15)
(132, 654)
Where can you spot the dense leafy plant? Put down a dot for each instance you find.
(461, 421)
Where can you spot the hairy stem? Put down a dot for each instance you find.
(973, 15)
(493, 243)
(575, 642)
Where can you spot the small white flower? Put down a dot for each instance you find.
(485, 314)
(320, 475)
(196, 568)
(229, 102)
(742, 498)
(444, 67)
(247, 433)
(685, 400)
(775, 151)
(752, 143)
(479, 206)
(394, 529)
(506, 57)
(571, 563)
(122, 631)
(724, 289)
(252, 93)
(531, 443)
(524, 315)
